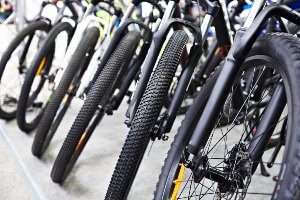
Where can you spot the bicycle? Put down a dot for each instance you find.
(148, 123)
(41, 75)
(119, 67)
(20, 51)
(32, 100)
(146, 117)
(84, 50)
(222, 159)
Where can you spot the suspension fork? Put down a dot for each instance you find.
(25, 49)
(183, 83)
(124, 24)
(149, 63)
(267, 125)
(150, 60)
(186, 75)
(244, 41)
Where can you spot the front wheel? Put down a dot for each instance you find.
(61, 98)
(226, 167)
(146, 117)
(87, 119)
(14, 64)
(40, 75)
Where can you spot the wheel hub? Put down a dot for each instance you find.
(235, 175)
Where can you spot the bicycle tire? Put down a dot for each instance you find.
(29, 30)
(46, 50)
(44, 132)
(80, 131)
(145, 118)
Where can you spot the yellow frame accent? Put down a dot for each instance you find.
(81, 140)
(66, 97)
(41, 66)
(178, 182)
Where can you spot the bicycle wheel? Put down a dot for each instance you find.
(40, 74)
(63, 95)
(145, 118)
(14, 64)
(85, 123)
(222, 153)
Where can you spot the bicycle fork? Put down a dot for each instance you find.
(242, 45)
(244, 41)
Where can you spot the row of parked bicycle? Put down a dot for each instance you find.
(245, 91)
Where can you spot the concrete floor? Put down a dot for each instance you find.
(91, 174)
(13, 184)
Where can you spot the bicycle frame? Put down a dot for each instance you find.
(244, 40)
